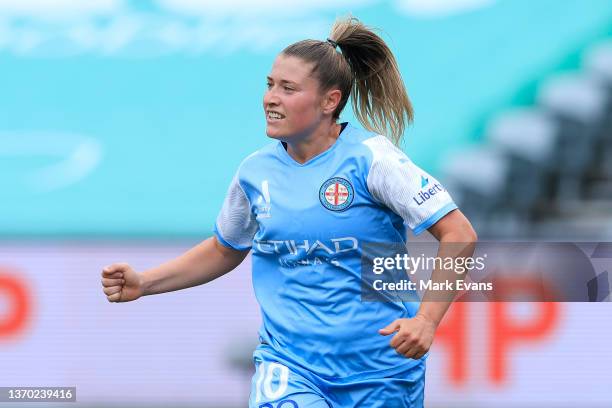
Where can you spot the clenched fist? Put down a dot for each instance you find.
(413, 337)
(121, 283)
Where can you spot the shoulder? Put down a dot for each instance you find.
(382, 149)
(375, 148)
(257, 159)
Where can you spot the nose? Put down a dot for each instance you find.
(270, 98)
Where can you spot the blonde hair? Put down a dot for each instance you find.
(367, 68)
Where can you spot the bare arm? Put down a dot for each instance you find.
(414, 336)
(457, 239)
(201, 264)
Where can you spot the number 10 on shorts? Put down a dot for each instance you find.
(266, 374)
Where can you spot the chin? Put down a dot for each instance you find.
(285, 135)
(275, 134)
(272, 135)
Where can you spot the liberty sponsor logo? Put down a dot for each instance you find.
(424, 181)
(336, 194)
(427, 193)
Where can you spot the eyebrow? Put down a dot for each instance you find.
(282, 81)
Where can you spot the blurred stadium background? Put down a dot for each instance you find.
(122, 123)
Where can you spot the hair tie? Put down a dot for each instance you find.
(332, 42)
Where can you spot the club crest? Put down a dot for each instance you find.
(336, 194)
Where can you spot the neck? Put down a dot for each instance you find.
(302, 149)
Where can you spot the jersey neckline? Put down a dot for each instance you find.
(290, 160)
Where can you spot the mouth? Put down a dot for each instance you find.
(273, 116)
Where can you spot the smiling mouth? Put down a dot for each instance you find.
(272, 115)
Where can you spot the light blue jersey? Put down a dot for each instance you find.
(304, 224)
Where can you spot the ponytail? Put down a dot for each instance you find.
(367, 68)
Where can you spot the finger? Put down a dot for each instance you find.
(402, 348)
(400, 338)
(112, 274)
(114, 298)
(422, 349)
(417, 350)
(116, 267)
(112, 282)
(406, 349)
(390, 328)
(112, 290)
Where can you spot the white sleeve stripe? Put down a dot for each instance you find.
(224, 242)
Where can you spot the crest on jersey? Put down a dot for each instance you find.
(336, 194)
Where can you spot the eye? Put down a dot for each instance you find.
(269, 85)
(288, 88)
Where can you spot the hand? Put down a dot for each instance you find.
(414, 336)
(121, 283)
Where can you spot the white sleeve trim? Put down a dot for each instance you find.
(236, 226)
(397, 183)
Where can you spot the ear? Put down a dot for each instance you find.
(330, 102)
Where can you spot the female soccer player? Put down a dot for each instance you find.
(303, 205)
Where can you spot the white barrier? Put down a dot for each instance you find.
(186, 347)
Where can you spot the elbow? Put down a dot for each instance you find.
(470, 234)
(463, 232)
(454, 227)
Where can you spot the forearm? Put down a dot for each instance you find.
(201, 264)
(435, 303)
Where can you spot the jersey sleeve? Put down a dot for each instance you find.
(397, 183)
(236, 224)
